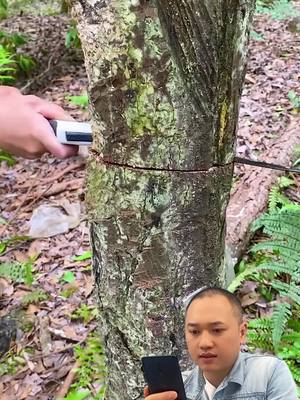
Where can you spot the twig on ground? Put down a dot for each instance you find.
(68, 381)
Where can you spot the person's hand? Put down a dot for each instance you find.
(24, 129)
(159, 396)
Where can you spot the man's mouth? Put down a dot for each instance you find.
(207, 356)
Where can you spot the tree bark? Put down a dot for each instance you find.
(165, 81)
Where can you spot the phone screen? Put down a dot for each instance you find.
(162, 374)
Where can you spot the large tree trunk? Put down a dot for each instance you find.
(165, 81)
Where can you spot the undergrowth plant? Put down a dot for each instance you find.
(276, 197)
(295, 101)
(6, 66)
(277, 9)
(4, 156)
(35, 297)
(72, 37)
(85, 313)
(35, 7)
(19, 62)
(4, 244)
(18, 272)
(92, 370)
(82, 101)
(275, 265)
(11, 363)
(3, 9)
(260, 336)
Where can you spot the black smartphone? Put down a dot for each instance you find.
(162, 374)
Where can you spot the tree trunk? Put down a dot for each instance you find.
(165, 81)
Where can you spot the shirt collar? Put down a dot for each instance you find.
(195, 381)
(237, 373)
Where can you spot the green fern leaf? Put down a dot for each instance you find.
(289, 290)
(279, 268)
(275, 246)
(280, 316)
(241, 277)
(260, 323)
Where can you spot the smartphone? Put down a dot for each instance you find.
(162, 374)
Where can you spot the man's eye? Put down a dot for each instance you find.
(218, 330)
(194, 332)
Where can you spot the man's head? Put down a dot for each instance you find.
(214, 331)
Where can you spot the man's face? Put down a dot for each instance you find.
(213, 335)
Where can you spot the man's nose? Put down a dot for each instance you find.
(205, 341)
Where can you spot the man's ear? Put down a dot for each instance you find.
(243, 332)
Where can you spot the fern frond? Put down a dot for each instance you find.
(285, 182)
(279, 268)
(260, 323)
(287, 216)
(273, 198)
(34, 297)
(277, 199)
(284, 250)
(260, 340)
(291, 337)
(289, 290)
(281, 314)
(241, 277)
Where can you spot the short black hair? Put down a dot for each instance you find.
(210, 291)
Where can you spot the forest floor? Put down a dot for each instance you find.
(57, 322)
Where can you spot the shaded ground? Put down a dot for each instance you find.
(45, 344)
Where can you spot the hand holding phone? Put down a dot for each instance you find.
(159, 396)
(162, 374)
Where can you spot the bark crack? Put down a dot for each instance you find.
(144, 168)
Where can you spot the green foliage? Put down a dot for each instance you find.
(74, 395)
(295, 101)
(82, 101)
(92, 368)
(68, 277)
(11, 363)
(87, 255)
(249, 269)
(4, 156)
(13, 240)
(34, 297)
(69, 291)
(18, 272)
(261, 333)
(17, 61)
(72, 37)
(6, 66)
(276, 198)
(277, 259)
(277, 9)
(85, 313)
(3, 9)
(34, 7)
